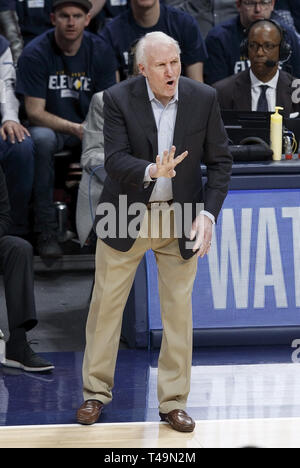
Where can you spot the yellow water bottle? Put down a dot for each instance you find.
(276, 134)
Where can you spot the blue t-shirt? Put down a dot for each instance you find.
(224, 58)
(34, 17)
(66, 83)
(7, 5)
(123, 30)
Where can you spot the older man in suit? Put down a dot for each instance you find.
(264, 85)
(147, 116)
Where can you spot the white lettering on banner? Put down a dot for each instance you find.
(296, 353)
(233, 257)
(294, 213)
(240, 265)
(296, 93)
(267, 231)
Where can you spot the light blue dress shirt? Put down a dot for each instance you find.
(165, 119)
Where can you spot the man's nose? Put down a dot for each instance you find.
(71, 21)
(260, 50)
(258, 7)
(168, 70)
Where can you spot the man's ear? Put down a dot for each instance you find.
(88, 20)
(142, 70)
(53, 19)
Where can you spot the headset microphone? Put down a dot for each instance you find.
(270, 63)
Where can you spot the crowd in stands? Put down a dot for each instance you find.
(56, 55)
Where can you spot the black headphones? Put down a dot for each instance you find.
(285, 50)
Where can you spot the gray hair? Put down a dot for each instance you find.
(156, 37)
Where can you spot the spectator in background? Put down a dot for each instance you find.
(263, 86)
(208, 13)
(58, 74)
(289, 12)
(16, 146)
(16, 261)
(34, 17)
(146, 16)
(9, 27)
(104, 10)
(92, 161)
(223, 42)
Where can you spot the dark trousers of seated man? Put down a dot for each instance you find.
(47, 143)
(17, 162)
(16, 263)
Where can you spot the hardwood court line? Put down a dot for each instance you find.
(111, 435)
(226, 433)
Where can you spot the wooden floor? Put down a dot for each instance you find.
(263, 433)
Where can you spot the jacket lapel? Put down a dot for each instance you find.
(284, 93)
(242, 91)
(184, 107)
(143, 112)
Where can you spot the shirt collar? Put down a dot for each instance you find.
(256, 82)
(153, 98)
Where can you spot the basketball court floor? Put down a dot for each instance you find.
(240, 396)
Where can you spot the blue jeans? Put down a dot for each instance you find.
(17, 161)
(47, 143)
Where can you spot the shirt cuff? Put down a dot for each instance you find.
(147, 178)
(209, 215)
(10, 116)
(8, 113)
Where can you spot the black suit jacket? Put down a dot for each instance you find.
(234, 92)
(131, 143)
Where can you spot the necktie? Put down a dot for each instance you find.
(262, 105)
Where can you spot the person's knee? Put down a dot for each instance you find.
(22, 247)
(23, 152)
(45, 140)
(17, 248)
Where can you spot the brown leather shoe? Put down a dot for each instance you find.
(179, 420)
(89, 412)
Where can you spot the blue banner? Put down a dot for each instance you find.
(251, 277)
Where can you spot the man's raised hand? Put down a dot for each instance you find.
(166, 167)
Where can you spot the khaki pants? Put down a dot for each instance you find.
(114, 277)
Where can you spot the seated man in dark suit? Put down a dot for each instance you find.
(16, 146)
(16, 265)
(263, 86)
(222, 41)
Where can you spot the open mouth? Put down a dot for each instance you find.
(170, 83)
